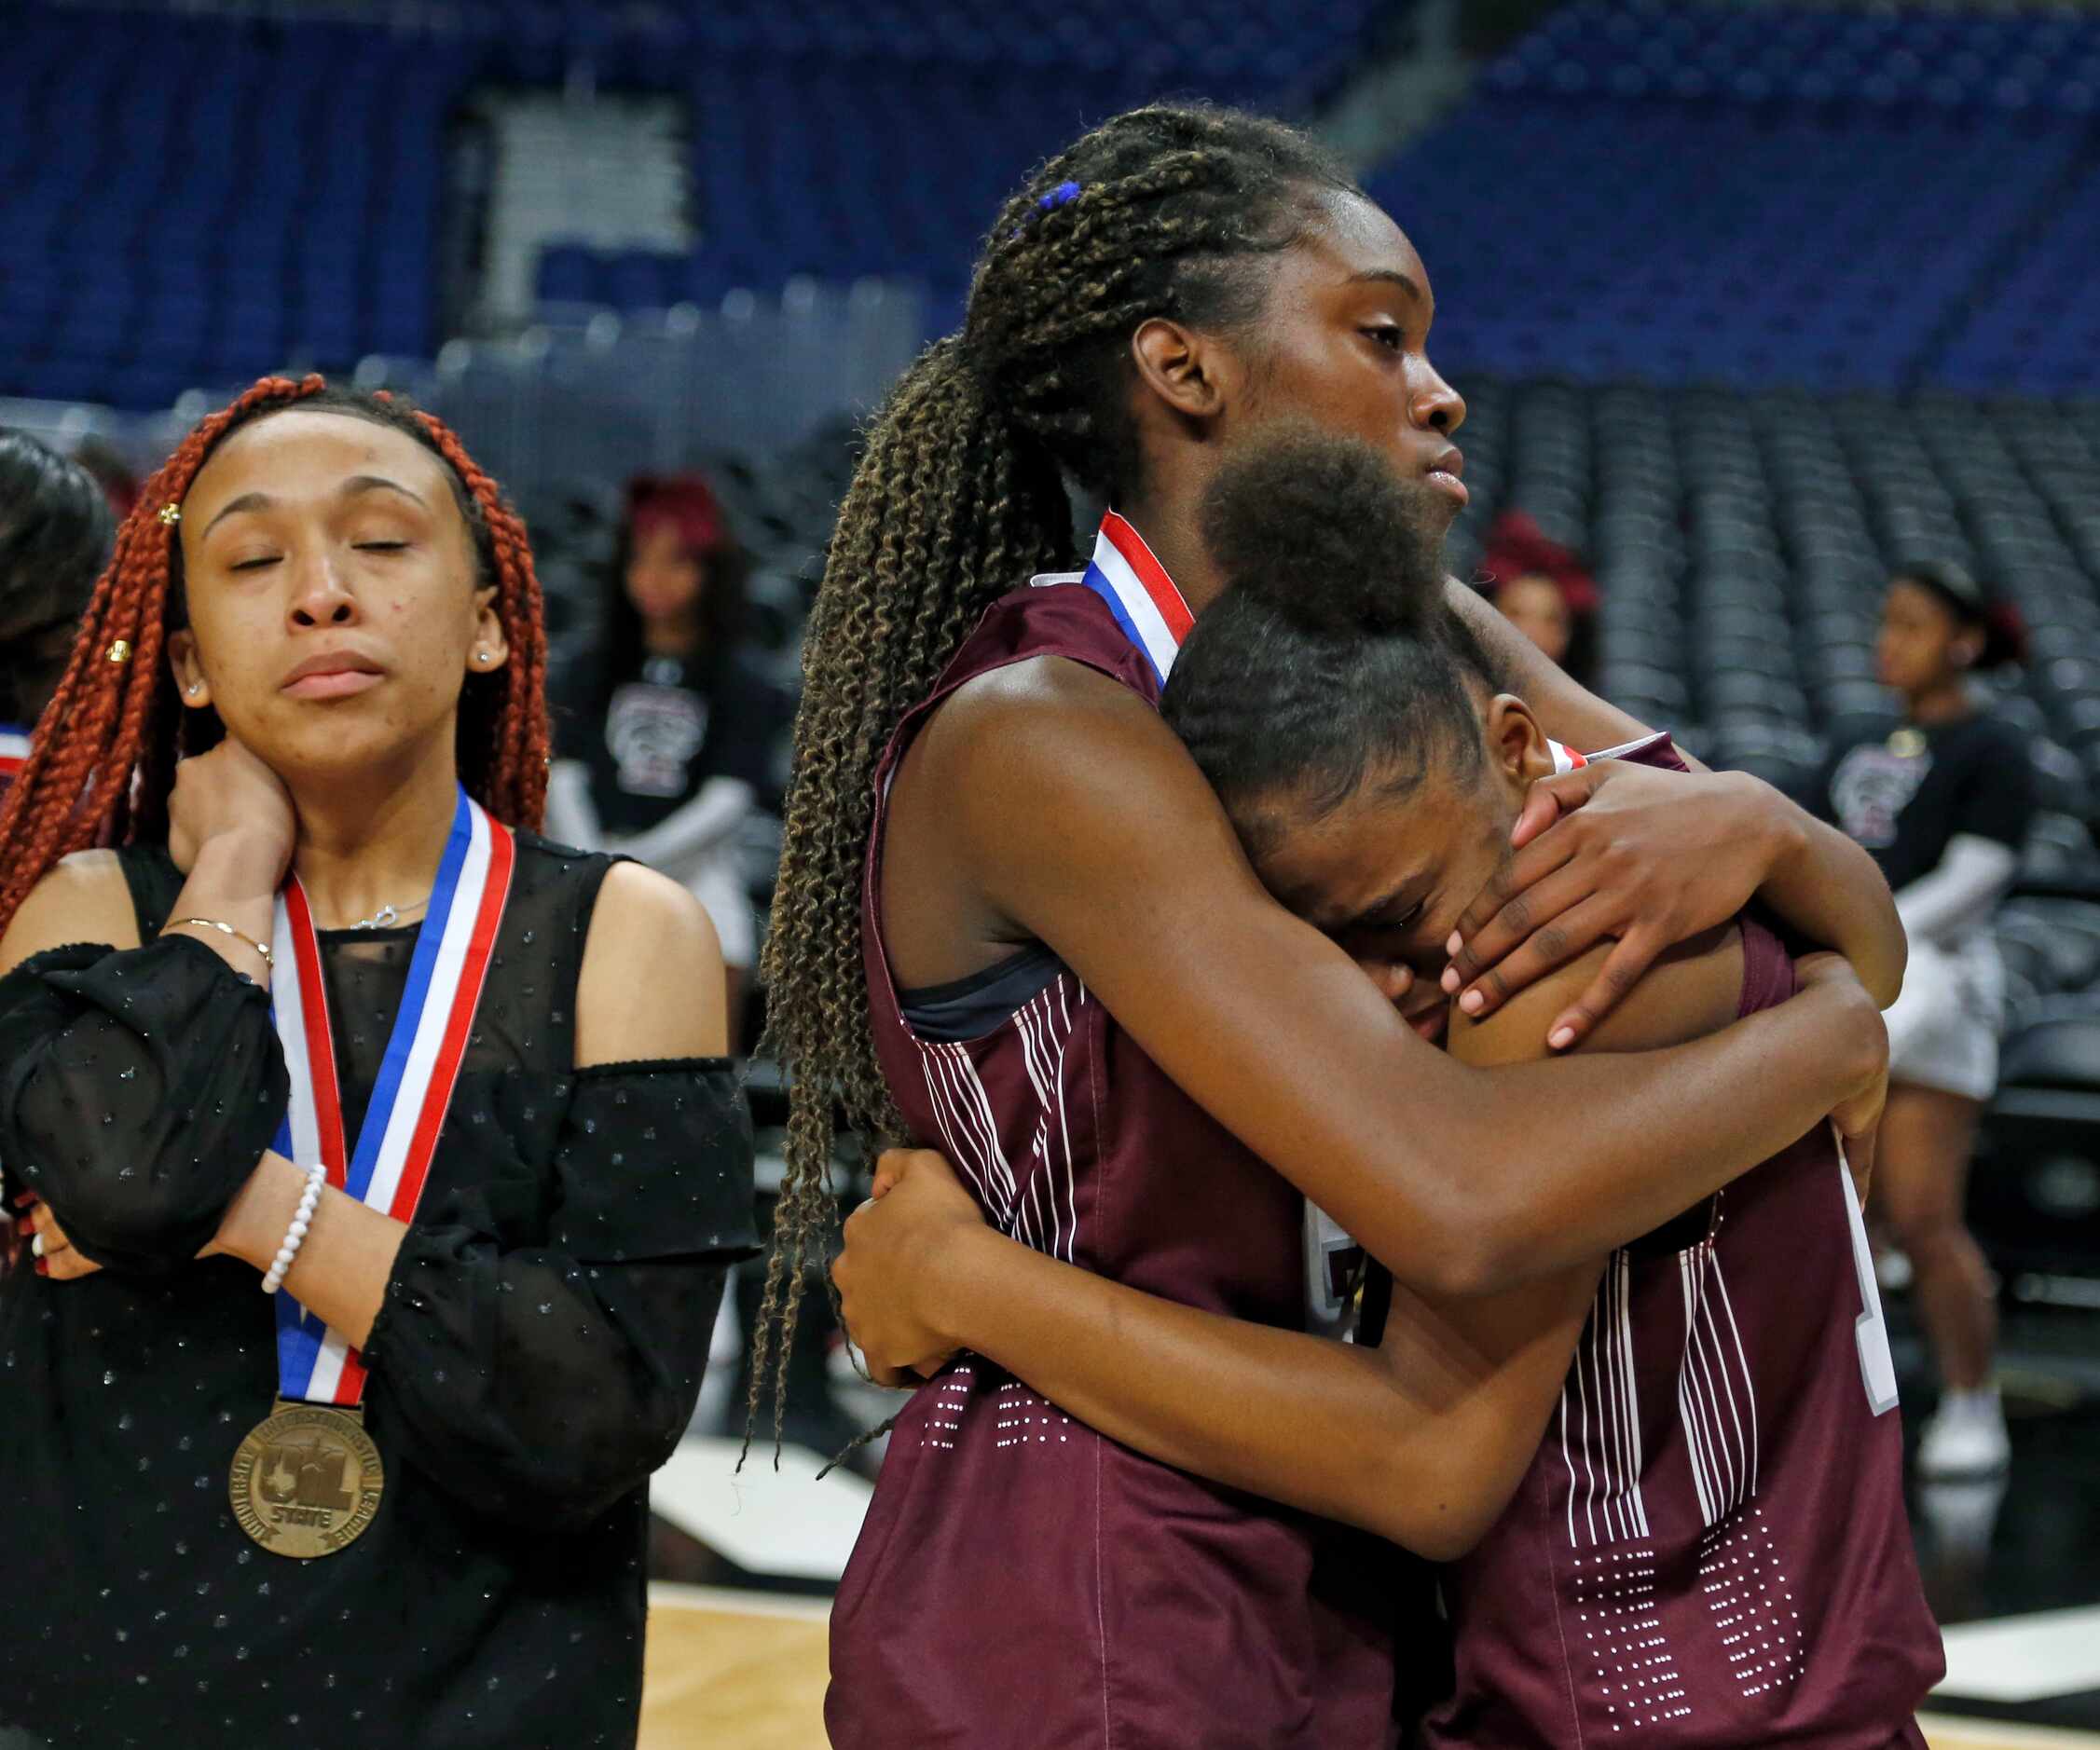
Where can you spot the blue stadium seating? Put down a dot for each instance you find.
(1743, 196)
(1674, 192)
(842, 140)
(205, 198)
(188, 196)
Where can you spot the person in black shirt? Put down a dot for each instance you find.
(1943, 800)
(55, 530)
(668, 739)
(334, 1017)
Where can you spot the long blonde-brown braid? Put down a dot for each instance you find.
(959, 497)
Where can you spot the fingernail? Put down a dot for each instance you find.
(1560, 1038)
(1454, 944)
(1451, 980)
(1471, 1002)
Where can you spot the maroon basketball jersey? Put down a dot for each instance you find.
(1022, 1582)
(1711, 1547)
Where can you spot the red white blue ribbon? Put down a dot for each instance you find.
(391, 1160)
(14, 749)
(1568, 759)
(1139, 593)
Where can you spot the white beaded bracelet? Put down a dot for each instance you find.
(295, 1236)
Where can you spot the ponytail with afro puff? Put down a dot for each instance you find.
(1332, 655)
(102, 757)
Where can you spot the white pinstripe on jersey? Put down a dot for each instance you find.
(1038, 1206)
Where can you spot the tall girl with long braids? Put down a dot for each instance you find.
(1013, 922)
(335, 1021)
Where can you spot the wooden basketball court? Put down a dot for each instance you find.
(744, 1670)
(727, 1668)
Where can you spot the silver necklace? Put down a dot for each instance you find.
(386, 917)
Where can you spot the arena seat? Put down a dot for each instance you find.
(2034, 1197)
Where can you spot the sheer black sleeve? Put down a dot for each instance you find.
(541, 1383)
(138, 1089)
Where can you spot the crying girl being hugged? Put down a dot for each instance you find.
(1678, 1550)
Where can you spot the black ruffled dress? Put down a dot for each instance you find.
(537, 1355)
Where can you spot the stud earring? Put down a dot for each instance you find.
(194, 687)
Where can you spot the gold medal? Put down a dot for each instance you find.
(1907, 743)
(307, 1481)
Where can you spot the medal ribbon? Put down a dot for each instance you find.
(1567, 759)
(386, 1170)
(1139, 593)
(14, 749)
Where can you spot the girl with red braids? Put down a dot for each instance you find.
(1544, 591)
(334, 1017)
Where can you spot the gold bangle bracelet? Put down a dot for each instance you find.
(226, 929)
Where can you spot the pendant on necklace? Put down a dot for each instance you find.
(385, 918)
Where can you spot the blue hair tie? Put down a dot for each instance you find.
(1057, 197)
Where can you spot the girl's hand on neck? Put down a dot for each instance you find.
(228, 806)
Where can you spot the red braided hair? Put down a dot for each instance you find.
(104, 753)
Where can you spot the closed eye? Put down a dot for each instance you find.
(1376, 936)
(381, 546)
(255, 564)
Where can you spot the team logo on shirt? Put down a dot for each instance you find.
(1872, 786)
(653, 732)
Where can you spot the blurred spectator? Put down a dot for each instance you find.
(55, 534)
(1944, 803)
(666, 741)
(112, 473)
(1543, 590)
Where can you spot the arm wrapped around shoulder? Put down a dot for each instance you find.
(541, 1383)
(138, 1089)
